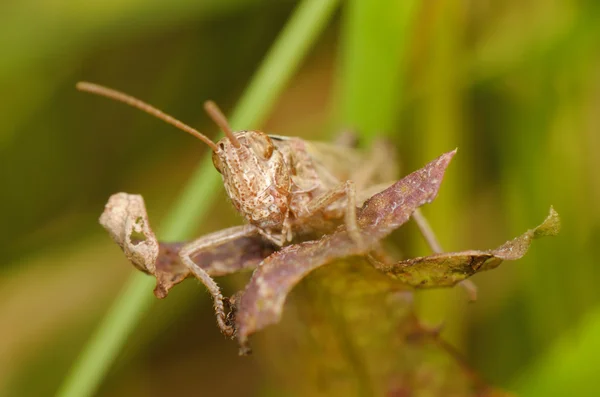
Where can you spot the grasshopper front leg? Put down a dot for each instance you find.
(347, 191)
(209, 242)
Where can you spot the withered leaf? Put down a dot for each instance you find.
(447, 269)
(126, 220)
(243, 253)
(262, 301)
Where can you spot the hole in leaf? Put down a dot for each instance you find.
(138, 237)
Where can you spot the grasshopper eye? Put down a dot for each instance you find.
(217, 162)
(261, 145)
(269, 149)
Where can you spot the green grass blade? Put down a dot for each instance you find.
(375, 40)
(282, 61)
(440, 128)
(110, 335)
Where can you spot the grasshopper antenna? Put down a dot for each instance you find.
(143, 106)
(220, 120)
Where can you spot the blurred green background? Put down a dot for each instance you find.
(514, 84)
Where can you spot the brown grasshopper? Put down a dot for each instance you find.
(285, 187)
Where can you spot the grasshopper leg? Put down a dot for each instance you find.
(209, 242)
(379, 166)
(431, 239)
(347, 191)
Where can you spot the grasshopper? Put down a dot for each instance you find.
(285, 187)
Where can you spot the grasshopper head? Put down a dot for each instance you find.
(255, 174)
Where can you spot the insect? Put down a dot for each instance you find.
(285, 187)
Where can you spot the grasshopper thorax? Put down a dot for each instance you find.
(255, 176)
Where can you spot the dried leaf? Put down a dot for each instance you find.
(262, 301)
(447, 269)
(169, 270)
(244, 253)
(126, 220)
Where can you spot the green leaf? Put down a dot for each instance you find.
(373, 63)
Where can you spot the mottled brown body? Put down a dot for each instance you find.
(287, 186)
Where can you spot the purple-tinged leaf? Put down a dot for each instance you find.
(262, 302)
(126, 220)
(243, 253)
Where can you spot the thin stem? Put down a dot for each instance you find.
(427, 231)
(284, 58)
(431, 239)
